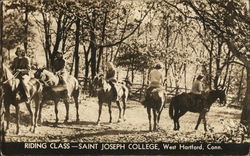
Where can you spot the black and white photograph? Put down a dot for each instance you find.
(125, 77)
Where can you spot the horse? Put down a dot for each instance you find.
(53, 91)
(11, 86)
(155, 101)
(183, 103)
(105, 94)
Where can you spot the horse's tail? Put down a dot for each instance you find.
(125, 91)
(171, 107)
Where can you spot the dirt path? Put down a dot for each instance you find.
(134, 129)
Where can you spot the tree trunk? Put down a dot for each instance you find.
(102, 40)
(210, 66)
(26, 26)
(47, 46)
(93, 54)
(93, 46)
(58, 38)
(240, 85)
(218, 68)
(245, 116)
(1, 76)
(78, 27)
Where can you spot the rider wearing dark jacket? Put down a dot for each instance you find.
(21, 67)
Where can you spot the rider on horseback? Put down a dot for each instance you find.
(21, 67)
(196, 92)
(59, 69)
(156, 80)
(111, 78)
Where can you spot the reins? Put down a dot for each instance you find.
(14, 76)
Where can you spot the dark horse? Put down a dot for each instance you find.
(53, 91)
(10, 87)
(106, 95)
(183, 103)
(155, 102)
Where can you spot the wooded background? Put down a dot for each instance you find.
(209, 37)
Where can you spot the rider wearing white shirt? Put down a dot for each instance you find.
(156, 81)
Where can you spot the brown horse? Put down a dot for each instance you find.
(183, 103)
(11, 86)
(53, 91)
(106, 95)
(155, 102)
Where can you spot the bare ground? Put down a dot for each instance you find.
(134, 129)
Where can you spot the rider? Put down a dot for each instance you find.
(21, 67)
(156, 79)
(197, 90)
(59, 69)
(111, 78)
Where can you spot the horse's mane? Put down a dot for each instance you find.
(7, 73)
(49, 74)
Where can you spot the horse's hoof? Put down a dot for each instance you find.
(65, 121)
(98, 123)
(39, 122)
(119, 120)
(77, 121)
(55, 124)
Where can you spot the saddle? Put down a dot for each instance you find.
(197, 101)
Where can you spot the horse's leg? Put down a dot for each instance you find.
(204, 121)
(155, 113)
(124, 108)
(110, 112)
(7, 109)
(149, 118)
(31, 114)
(180, 114)
(40, 112)
(17, 118)
(37, 106)
(77, 107)
(159, 114)
(120, 110)
(175, 119)
(198, 122)
(66, 102)
(100, 112)
(56, 110)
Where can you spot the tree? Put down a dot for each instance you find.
(1, 76)
(229, 20)
(19, 30)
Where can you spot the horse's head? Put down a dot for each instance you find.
(128, 83)
(39, 74)
(221, 94)
(99, 82)
(7, 75)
